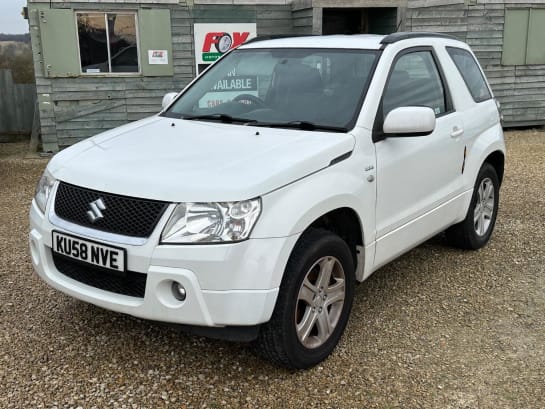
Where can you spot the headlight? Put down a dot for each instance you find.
(211, 222)
(43, 190)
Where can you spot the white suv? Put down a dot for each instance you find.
(292, 168)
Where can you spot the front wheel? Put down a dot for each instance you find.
(475, 230)
(313, 304)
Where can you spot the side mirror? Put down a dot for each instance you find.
(168, 98)
(409, 121)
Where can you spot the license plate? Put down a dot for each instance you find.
(98, 254)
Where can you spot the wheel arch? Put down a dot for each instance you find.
(336, 199)
(345, 223)
(337, 214)
(497, 160)
(489, 147)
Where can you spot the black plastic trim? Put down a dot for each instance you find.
(66, 199)
(129, 283)
(340, 158)
(408, 135)
(230, 333)
(407, 35)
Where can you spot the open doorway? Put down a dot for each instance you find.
(376, 20)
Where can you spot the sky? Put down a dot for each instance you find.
(11, 21)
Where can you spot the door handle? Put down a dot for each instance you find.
(456, 132)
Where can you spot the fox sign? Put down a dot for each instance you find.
(213, 40)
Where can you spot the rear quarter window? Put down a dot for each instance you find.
(471, 73)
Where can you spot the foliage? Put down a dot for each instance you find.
(17, 56)
(21, 38)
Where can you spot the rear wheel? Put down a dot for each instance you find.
(313, 304)
(475, 230)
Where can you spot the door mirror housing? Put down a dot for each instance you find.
(168, 98)
(409, 121)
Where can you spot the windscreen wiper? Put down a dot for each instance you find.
(304, 125)
(228, 119)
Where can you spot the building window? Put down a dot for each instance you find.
(108, 43)
(523, 34)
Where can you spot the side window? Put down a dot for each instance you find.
(472, 75)
(415, 81)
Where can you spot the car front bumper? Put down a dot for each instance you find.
(232, 284)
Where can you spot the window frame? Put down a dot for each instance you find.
(378, 134)
(483, 77)
(133, 13)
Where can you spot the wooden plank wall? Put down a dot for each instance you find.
(269, 18)
(302, 17)
(72, 109)
(16, 105)
(520, 89)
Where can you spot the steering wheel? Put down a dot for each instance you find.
(252, 99)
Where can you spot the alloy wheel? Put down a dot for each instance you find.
(484, 208)
(320, 302)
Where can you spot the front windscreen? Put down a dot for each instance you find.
(322, 87)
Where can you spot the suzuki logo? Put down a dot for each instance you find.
(96, 210)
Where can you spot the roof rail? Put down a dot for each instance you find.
(405, 35)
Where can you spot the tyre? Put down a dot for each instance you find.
(313, 304)
(475, 230)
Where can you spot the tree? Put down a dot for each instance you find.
(17, 57)
(21, 38)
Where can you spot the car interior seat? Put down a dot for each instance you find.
(295, 88)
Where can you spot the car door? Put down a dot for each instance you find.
(416, 175)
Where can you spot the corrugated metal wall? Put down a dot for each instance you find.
(16, 105)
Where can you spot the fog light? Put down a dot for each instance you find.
(178, 291)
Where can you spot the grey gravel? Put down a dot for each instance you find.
(438, 328)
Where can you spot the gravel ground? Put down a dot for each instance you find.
(438, 328)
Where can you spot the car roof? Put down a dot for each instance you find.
(352, 41)
(363, 41)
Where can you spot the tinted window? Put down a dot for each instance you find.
(471, 73)
(415, 81)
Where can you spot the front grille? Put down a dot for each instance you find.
(126, 283)
(128, 216)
